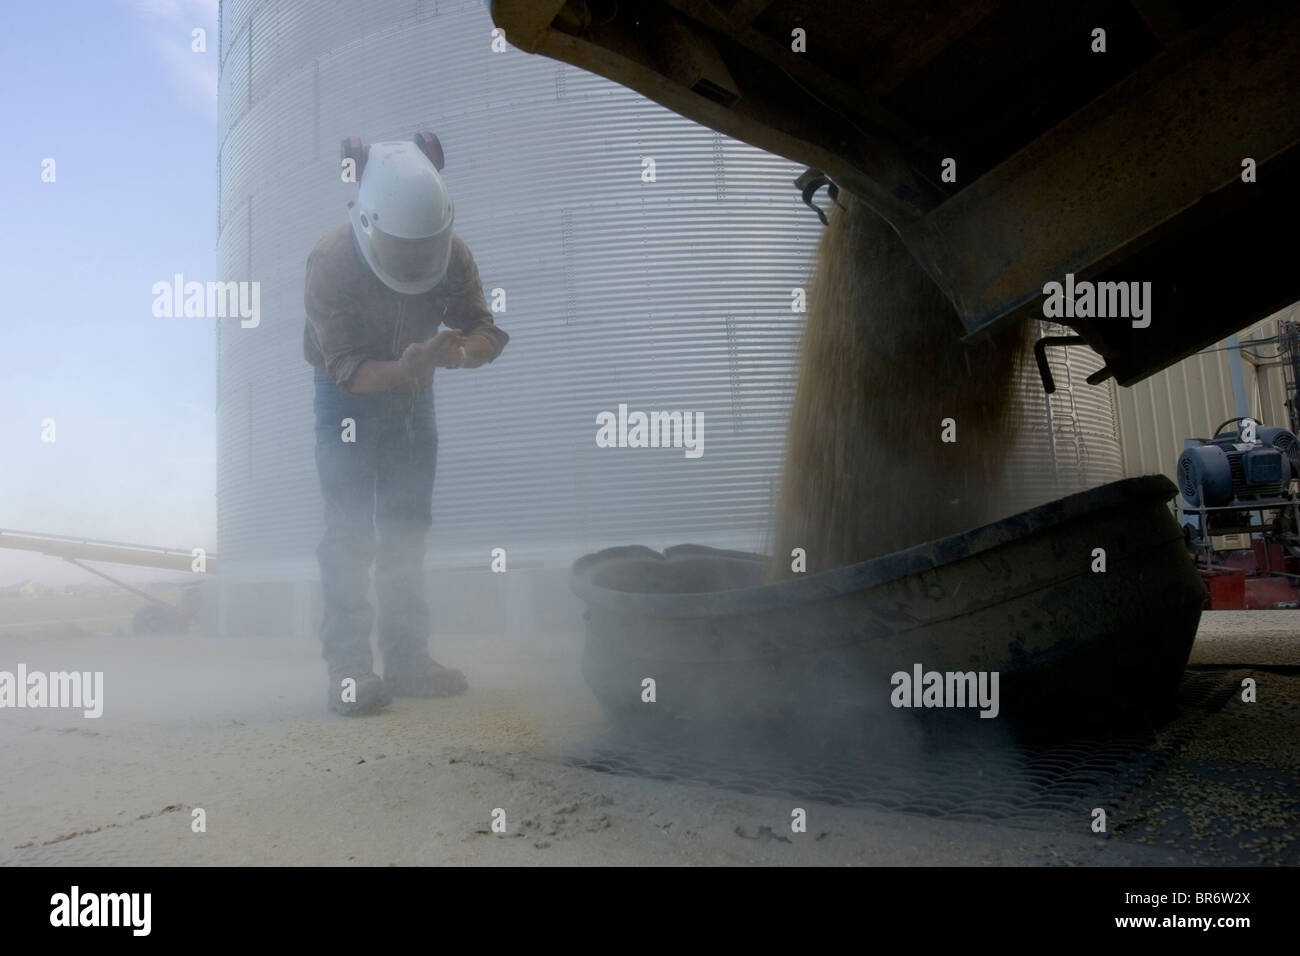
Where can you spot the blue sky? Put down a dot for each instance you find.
(113, 93)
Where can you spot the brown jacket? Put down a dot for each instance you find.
(352, 316)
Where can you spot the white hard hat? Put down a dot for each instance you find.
(402, 218)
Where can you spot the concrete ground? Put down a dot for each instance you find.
(239, 730)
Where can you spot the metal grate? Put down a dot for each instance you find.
(1014, 785)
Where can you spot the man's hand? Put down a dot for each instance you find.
(414, 370)
(444, 350)
(447, 349)
(478, 351)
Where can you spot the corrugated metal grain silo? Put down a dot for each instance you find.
(1084, 450)
(669, 295)
(672, 295)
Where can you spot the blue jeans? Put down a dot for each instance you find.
(378, 493)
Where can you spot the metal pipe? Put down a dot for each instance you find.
(121, 584)
(1040, 356)
(1238, 380)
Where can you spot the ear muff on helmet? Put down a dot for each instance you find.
(354, 149)
(431, 147)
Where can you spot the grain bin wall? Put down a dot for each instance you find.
(670, 295)
(1067, 441)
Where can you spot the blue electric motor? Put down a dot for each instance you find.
(1227, 470)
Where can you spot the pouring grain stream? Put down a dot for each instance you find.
(881, 366)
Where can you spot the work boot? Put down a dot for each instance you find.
(425, 678)
(371, 695)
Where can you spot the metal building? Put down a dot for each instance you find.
(1241, 375)
(666, 295)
